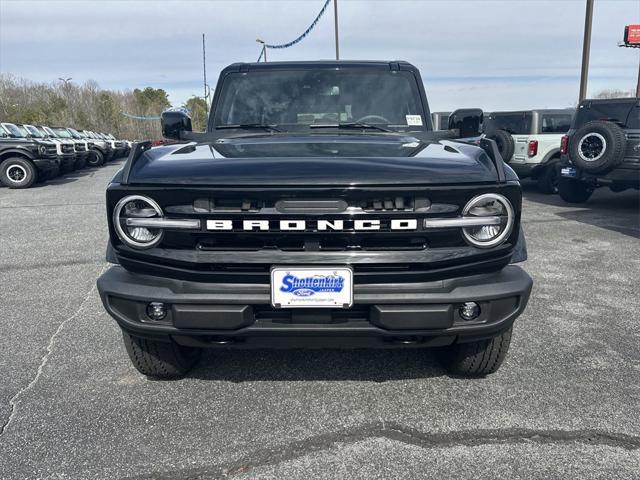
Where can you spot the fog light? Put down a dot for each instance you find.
(469, 311)
(156, 311)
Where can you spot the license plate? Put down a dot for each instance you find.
(314, 287)
(568, 172)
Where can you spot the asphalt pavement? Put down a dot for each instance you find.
(565, 404)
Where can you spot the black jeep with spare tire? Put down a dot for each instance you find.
(319, 209)
(602, 148)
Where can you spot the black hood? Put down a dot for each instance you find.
(289, 160)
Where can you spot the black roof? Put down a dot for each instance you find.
(314, 64)
(600, 101)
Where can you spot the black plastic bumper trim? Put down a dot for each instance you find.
(424, 309)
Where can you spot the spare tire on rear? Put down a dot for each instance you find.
(505, 144)
(597, 146)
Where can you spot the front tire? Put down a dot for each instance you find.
(67, 168)
(16, 172)
(476, 359)
(574, 191)
(95, 158)
(161, 360)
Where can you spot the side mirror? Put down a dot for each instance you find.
(467, 121)
(174, 123)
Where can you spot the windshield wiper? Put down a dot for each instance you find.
(351, 125)
(249, 126)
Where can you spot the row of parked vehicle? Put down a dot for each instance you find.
(570, 151)
(35, 153)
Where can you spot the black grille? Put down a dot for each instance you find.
(390, 203)
(377, 256)
(67, 148)
(80, 147)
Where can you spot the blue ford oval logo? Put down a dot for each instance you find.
(303, 292)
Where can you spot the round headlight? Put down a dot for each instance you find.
(137, 206)
(42, 149)
(491, 205)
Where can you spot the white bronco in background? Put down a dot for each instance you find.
(529, 142)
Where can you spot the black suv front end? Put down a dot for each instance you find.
(319, 209)
(426, 284)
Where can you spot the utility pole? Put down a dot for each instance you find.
(264, 48)
(638, 84)
(204, 72)
(335, 19)
(586, 47)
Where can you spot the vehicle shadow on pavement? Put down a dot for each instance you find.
(318, 365)
(67, 177)
(75, 175)
(618, 212)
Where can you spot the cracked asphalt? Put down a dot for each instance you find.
(564, 404)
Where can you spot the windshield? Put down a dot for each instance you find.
(61, 132)
(514, 123)
(49, 132)
(296, 99)
(34, 131)
(15, 130)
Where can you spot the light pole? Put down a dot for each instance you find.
(204, 73)
(586, 47)
(335, 27)
(264, 48)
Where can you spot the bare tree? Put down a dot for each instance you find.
(613, 93)
(82, 106)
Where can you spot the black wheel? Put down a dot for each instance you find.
(504, 142)
(597, 146)
(54, 172)
(80, 164)
(574, 191)
(67, 168)
(162, 360)
(548, 180)
(476, 359)
(16, 172)
(95, 158)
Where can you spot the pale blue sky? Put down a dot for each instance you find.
(504, 54)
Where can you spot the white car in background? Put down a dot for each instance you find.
(529, 141)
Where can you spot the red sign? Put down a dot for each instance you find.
(632, 34)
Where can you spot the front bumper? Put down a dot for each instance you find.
(81, 159)
(67, 161)
(418, 314)
(46, 164)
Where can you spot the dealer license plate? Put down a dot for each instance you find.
(314, 287)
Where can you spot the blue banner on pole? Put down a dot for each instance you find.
(297, 40)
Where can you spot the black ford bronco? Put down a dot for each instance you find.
(25, 160)
(602, 148)
(319, 209)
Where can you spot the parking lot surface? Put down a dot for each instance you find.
(564, 404)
